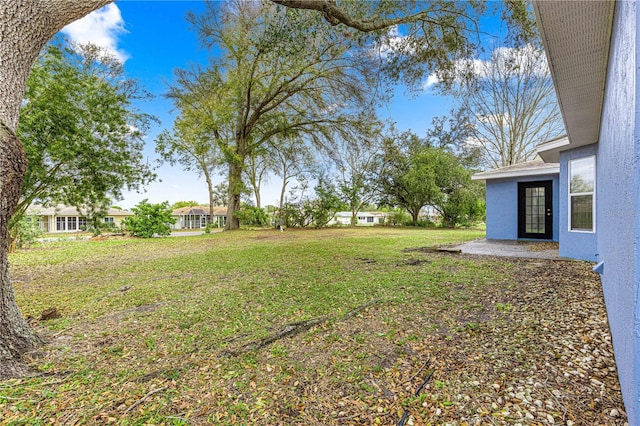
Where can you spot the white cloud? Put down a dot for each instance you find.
(504, 61)
(102, 28)
(394, 42)
(432, 80)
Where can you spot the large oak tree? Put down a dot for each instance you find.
(278, 72)
(27, 25)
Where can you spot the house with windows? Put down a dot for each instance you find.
(584, 190)
(364, 219)
(551, 198)
(197, 217)
(62, 218)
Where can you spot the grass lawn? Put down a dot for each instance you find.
(185, 331)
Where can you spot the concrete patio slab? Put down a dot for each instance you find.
(508, 248)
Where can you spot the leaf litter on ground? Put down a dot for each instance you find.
(509, 341)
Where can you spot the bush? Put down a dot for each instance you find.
(252, 216)
(27, 231)
(398, 217)
(149, 220)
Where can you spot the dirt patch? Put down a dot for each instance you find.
(543, 246)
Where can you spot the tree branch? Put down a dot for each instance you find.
(334, 15)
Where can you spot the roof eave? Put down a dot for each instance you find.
(576, 36)
(491, 175)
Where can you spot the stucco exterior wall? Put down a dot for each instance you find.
(502, 206)
(577, 245)
(618, 202)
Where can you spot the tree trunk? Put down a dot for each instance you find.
(210, 188)
(414, 215)
(256, 192)
(25, 27)
(16, 336)
(235, 190)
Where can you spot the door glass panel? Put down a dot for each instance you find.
(534, 210)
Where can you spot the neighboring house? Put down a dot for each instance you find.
(364, 218)
(593, 50)
(197, 217)
(67, 219)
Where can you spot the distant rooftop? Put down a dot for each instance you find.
(62, 210)
(199, 210)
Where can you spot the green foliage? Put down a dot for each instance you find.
(464, 205)
(358, 165)
(82, 135)
(418, 175)
(398, 217)
(278, 73)
(27, 230)
(316, 211)
(327, 203)
(252, 216)
(150, 219)
(220, 194)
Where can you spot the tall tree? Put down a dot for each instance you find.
(511, 104)
(452, 132)
(25, 27)
(82, 136)
(358, 167)
(293, 160)
(279, 73)
(191, 147)
(417, 174)
(257, 172)
(410, 34)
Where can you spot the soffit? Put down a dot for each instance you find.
(576, 37)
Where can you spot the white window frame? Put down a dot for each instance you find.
(592, 193)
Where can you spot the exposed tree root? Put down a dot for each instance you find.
(10, 369)
(293, 329)
(289, 330)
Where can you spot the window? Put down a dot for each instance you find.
(61, 224)
(582, 184)
(108, 220)
(82, 223)
(72, 224)
(369, 219)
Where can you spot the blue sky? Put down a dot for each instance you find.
(153, 38)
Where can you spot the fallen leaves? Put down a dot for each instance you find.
(511, 341)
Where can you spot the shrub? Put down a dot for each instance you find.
(27, 231)
(150, 219)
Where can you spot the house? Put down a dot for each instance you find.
(364, 218)
(62, 218)
(593, 50)
(197, 217)
(522, 201)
